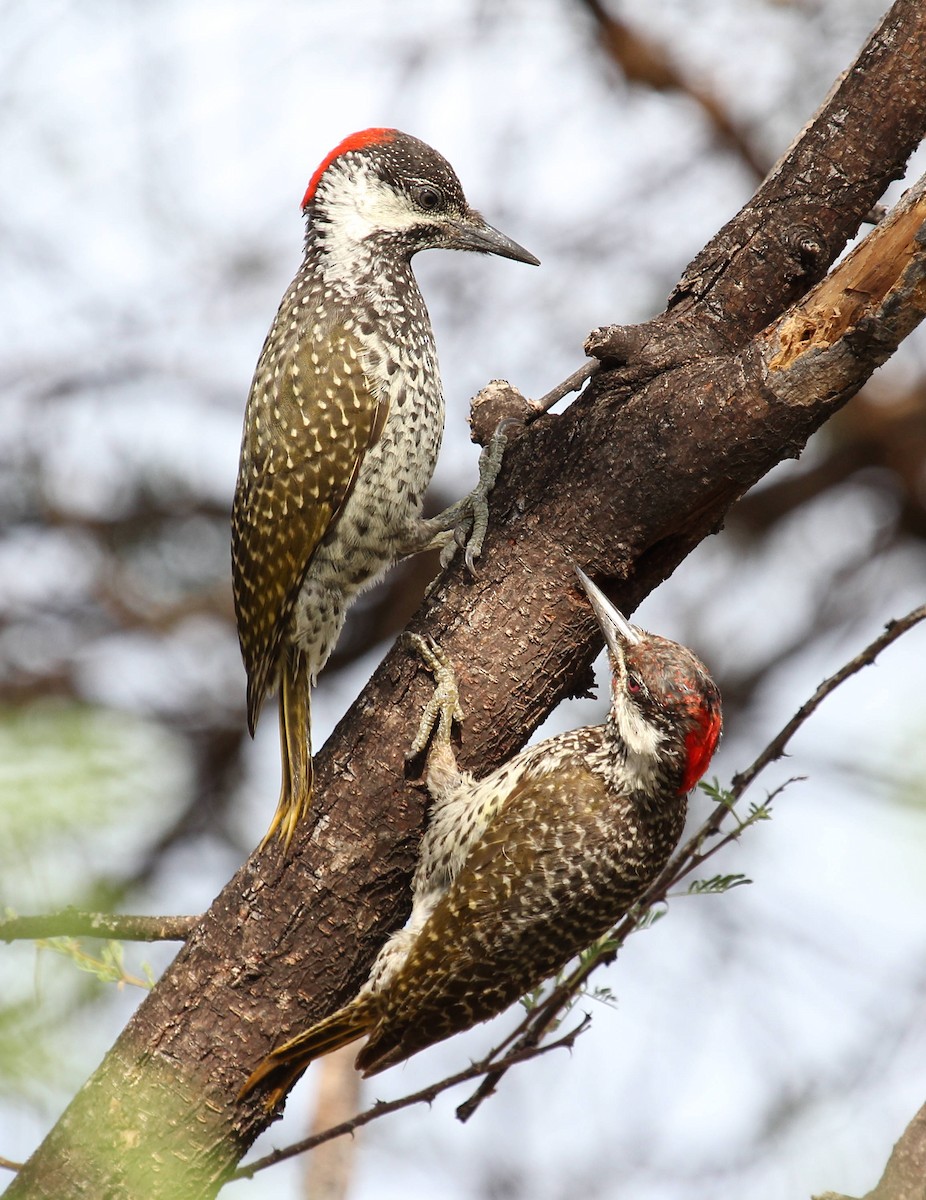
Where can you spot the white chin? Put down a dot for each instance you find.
(638, 735)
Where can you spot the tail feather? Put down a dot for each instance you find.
(295, 748)
(283, 1066)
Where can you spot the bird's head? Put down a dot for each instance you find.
(384, 192)
(662, 696)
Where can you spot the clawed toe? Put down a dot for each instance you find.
(444, 706)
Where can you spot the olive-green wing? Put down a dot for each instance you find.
(310, 419)
(540, 885)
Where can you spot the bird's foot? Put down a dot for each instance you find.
(444, 706)
(463, 525)
(470, 531)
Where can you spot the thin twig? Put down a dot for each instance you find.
(426, 1096)
(572, 383)
(7, 1164)
(71, 922)
(776, 747)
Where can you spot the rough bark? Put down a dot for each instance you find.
(904, 1176)
(688, 412)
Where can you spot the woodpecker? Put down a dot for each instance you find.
(343, 424)
(521, 870)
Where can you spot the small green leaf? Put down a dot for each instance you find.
(717, 793)
(109, 967)
(716, 884)
(652, 915)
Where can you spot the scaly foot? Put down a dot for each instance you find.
(444, 706)
(464, 524)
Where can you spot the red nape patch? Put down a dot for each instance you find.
(700, 745)
(356, 141)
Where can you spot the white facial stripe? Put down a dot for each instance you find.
(638, 734)
(352, 207)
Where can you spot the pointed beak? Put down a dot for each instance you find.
(473, 233)
(617, 630)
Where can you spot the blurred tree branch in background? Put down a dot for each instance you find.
(645, 61)
(71, 923)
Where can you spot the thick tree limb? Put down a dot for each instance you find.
(904, 1175)
(686, 414)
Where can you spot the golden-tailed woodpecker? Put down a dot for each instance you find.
(343, 423)
(523, 869)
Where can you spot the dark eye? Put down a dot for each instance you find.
(634, 686)
(428, 198)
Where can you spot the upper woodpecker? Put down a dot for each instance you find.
(521, 870)
(343, 423)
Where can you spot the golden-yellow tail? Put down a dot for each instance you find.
(295, 748)
(285, 1064)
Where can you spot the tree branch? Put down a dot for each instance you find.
(906, 1168)
(866, 658)
(426, 1095)
(71, 922)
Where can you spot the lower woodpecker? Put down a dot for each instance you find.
(521, 870)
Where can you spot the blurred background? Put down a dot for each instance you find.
(770, 1042)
